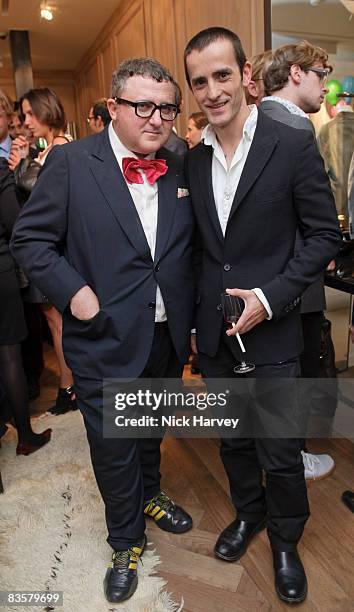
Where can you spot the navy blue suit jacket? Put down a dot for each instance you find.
(80, 227)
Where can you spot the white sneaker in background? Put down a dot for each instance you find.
(317, 466)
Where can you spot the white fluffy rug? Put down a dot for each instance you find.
(52, 526)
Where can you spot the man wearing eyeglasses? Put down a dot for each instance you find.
(107, 236)
(98, 116)
(295, 83)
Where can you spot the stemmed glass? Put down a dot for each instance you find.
(232, 307)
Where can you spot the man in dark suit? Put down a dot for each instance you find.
(253, 181)
(106, 235)
(295, 83)
(176, 144)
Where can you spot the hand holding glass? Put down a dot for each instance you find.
(232, 307)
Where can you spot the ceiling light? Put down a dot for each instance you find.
(47, 13)
(315, 2)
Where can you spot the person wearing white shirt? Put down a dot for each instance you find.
(107, 236)
(252, 182)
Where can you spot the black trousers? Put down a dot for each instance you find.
(283, 499)
(310, 356)
(127, 471)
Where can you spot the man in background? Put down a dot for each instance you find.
(98, 116)
(295, 85)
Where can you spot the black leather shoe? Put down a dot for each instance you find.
(233, 542)
(121, 578)
(290, 577)
(167, 515)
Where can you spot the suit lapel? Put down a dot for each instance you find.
(111, 182)
(167, 201)
(206, 187)
(263, 144)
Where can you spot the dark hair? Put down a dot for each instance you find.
(99, 109)
(199, 119)
(46, 107)
(206, 37)
(146, 67)
(303, 54)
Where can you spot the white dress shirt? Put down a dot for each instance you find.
(225, 180)
(145, 198)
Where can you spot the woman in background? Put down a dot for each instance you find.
(44, 117)
(196, 124)
(12, 325)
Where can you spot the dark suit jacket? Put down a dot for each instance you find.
(176, 145)
(313, 299)
(80, 226)
(283, 186)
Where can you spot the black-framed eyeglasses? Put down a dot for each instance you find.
(90, 117)
(322, 73)
(145, 109)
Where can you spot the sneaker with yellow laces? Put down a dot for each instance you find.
(121, 577)
(167, 515)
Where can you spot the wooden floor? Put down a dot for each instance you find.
(194, 477)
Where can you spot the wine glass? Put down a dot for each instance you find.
(232, 307)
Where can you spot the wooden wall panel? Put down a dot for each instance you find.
(7, 84)
(81, 106)
(130, 36)
(108, 65)
(161, 32)
(161, 28)
(92, 83)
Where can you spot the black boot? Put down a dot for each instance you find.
(233, 542)
(290, 577)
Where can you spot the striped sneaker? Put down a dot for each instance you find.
(167, 515)
(121, 577)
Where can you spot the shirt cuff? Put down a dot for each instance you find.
(262, 298)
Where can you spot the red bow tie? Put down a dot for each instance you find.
(153, 169)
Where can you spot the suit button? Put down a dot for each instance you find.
(227, 267)
(219, 307)
(151, 305)
(157, 268)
